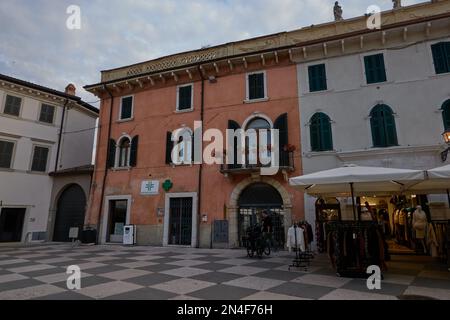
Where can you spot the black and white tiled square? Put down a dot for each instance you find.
(150, 273)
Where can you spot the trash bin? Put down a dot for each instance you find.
(89, 236)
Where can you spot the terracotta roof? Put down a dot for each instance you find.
(50, 91)
(71, 171)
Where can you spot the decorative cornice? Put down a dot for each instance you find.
(272, 43)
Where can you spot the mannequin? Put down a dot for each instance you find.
(419, 225)
(365, 215)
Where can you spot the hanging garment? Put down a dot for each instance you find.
(419, 223)
(293, 233)
(432, 242)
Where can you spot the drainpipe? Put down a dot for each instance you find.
(60, 134)
(200, 169)
(106, 163)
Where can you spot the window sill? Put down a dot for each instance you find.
(311, 154)
(184, 111)
(121, 169)
(439, 75)
(37, 172)
(45, 123)
(318, 92)
(377, 84)
(247, 101)
(173, 165)
(125, 120)
(6, 115)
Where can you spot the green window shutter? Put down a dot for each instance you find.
(376, 124)
(134, 151)
(384, 132)
(256, 86)
(441, 57)
(326, 134)
(233, 125)
(315, 136)
(127, 108)
(390, 129)
(169, 147)
(6, 151)
(321, 134)
(111, 159)
(447, 55)
(446, 114)
(380, 68)
(185, 98)
(375, 68)
(317, 78)
(281, 123)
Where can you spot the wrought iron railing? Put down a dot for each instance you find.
(286, 162)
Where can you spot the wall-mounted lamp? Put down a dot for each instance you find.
(212, 79)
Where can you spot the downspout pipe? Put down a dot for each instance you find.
(106, 162)
(61, 128)
(200, 169)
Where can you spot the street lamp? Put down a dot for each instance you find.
(446, 136)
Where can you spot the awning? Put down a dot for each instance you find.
(365, 181)
(438, 181)
(355, 180)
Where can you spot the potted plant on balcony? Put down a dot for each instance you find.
(289, 148)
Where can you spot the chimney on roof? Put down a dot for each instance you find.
(71, 89)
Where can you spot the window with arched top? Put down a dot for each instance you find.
(258, 124)
(320, 132)
(124, 153)
(382, 122)
(446, 114)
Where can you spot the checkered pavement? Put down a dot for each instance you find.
(151, 273)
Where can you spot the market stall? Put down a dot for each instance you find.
(354, 245)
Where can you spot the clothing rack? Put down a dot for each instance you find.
(354, 245)
(302, 259)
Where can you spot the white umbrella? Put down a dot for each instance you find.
(438, 181)
(357, 180)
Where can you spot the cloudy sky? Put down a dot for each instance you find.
(35, 44)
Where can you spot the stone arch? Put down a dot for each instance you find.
(233, 207)
(287, 203)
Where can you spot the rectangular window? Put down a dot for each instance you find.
(126, 108)
(375, 68)
(256, 86)
(47, 113)
(6, 153)
(40, 156)
(441, 57)
(12, 105)
(317, 78)
(184, 98)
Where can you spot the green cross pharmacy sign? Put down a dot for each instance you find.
(149, 188)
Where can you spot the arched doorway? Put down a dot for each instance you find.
(70, 212)
(255, 198)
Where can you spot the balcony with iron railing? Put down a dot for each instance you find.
(286, 163)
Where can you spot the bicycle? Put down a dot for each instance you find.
(256, 242)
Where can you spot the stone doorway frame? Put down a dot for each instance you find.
(233, 206)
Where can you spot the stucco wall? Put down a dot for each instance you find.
(154, 115)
